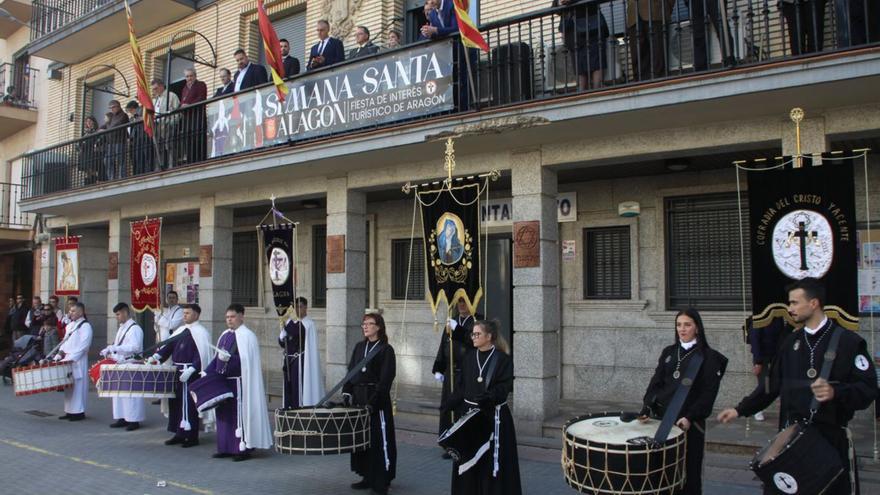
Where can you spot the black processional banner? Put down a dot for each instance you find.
(451, 224)
(278, 246)
(803, 224)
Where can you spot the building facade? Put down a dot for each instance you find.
(589, 320)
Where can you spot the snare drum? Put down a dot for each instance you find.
(210, 391)
(320, 431)
(137, 381)
(465, 439)
(603, 455)
(37, 378)
(95, 370)
(798, 460)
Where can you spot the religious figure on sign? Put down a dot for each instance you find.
(279, 267)
(450, 243)
(67, 277)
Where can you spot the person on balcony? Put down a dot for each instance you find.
(365, 47)
(328, 50)
(291, 63)
(393, 41)
(193, 132)
(226, 88)
(114, 147)
(704, 13)
(90, 152)
(645, 26)
(166, 125)
(443, 22)
(805, 23)
(585, 33)
(248, 74)
(140, 147)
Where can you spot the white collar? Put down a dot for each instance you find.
(687, 345)
(813, 331)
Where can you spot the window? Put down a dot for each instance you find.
(704, 268)
(245, 272)
(292, 28)
(400, 264)
(607, 263)
(101, 94)
(181, 61)
(319, 266)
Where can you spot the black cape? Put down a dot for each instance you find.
(479, 479)
(461, 344)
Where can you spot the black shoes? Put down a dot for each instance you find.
(76, 417)
(220, 455)
(361, 485)
(119, 423)
(132, 426)
(446, 455)
(189, 443)
(174, 440)
(241, 457)
(66, 416)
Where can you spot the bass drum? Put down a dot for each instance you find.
(602, 454)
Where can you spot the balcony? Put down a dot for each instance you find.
(551, 71)
(71, 31)
(18, 108)
(15, 225)
(20, 10)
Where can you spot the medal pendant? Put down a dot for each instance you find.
(676, 375)
(364, 369)
(479, 379)
(811, 373)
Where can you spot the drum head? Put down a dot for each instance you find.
(612, 430)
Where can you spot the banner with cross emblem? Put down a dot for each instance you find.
(802, 223)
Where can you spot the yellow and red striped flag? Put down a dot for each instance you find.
(143, 89)
(470, 35)
(272, 49)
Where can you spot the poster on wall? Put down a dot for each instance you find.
(182, 276)
(67, 266)
(869, 270)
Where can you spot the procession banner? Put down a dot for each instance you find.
(397, 86)
(278, 247)
(67, 266)
(145, 263)
(451, 225)
(803, 224)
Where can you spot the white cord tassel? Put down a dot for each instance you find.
(384, 440)
(497, 439)
(239, 432)
(184, 418)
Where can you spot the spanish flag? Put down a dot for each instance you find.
(470, 35)
(272, 48)
(143, 89)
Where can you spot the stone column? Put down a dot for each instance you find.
(346, 274)
(215, 264)
(118, 268)
(536, 292)
(813, 138)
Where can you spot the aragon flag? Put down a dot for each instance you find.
(143, 89)
(451, 226)
(470, 35)
(272, 49)
(802, 224)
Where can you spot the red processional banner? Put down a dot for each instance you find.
(67, 266)
(145, 263)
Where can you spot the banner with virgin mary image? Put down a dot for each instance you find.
(451, 226)
(278, 246)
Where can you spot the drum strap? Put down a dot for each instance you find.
(825, 372)
(170, 340)
(491, 371)
(678, 399)
(351, 373)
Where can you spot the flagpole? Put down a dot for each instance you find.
(470, 73)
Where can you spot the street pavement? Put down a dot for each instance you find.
(41, 454)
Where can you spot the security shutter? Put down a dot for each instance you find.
(245, 271)
(400, 264)
(319, 266)
(292, 28)
(607, 263)
(704, 262)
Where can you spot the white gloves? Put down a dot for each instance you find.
(283, 334)
(186, 374)
(223, 355)
(439, 377)
(57, 357)
(104, 352)
(154, 359)
(452, 323)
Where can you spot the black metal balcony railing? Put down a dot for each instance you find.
(18, 86)
(584, 47)
(51, 15)
(11, 215)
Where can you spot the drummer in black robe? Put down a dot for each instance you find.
(371, 388)
(851, 386)
(485, 382)
(460, 327)
(690, 341)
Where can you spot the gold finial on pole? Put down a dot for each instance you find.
(797, 115)
(450, 159)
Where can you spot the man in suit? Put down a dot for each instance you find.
(193, 125)
(327, 51)
(226, 86)
(291, 63)
(248, 74)
(443, 22)
(645, 26)
(166, 125)
(365, 47)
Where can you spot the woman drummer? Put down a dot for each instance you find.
(371, 388)
(485, 381)
(672, 369)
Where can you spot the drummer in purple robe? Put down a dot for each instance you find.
(303, 385)
(243, 423)
(188, 354)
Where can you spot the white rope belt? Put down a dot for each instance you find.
(384, 440)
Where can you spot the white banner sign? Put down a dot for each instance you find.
(499, 212)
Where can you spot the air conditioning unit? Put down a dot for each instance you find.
(559, 71)
(56, 74)
(680, 44)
